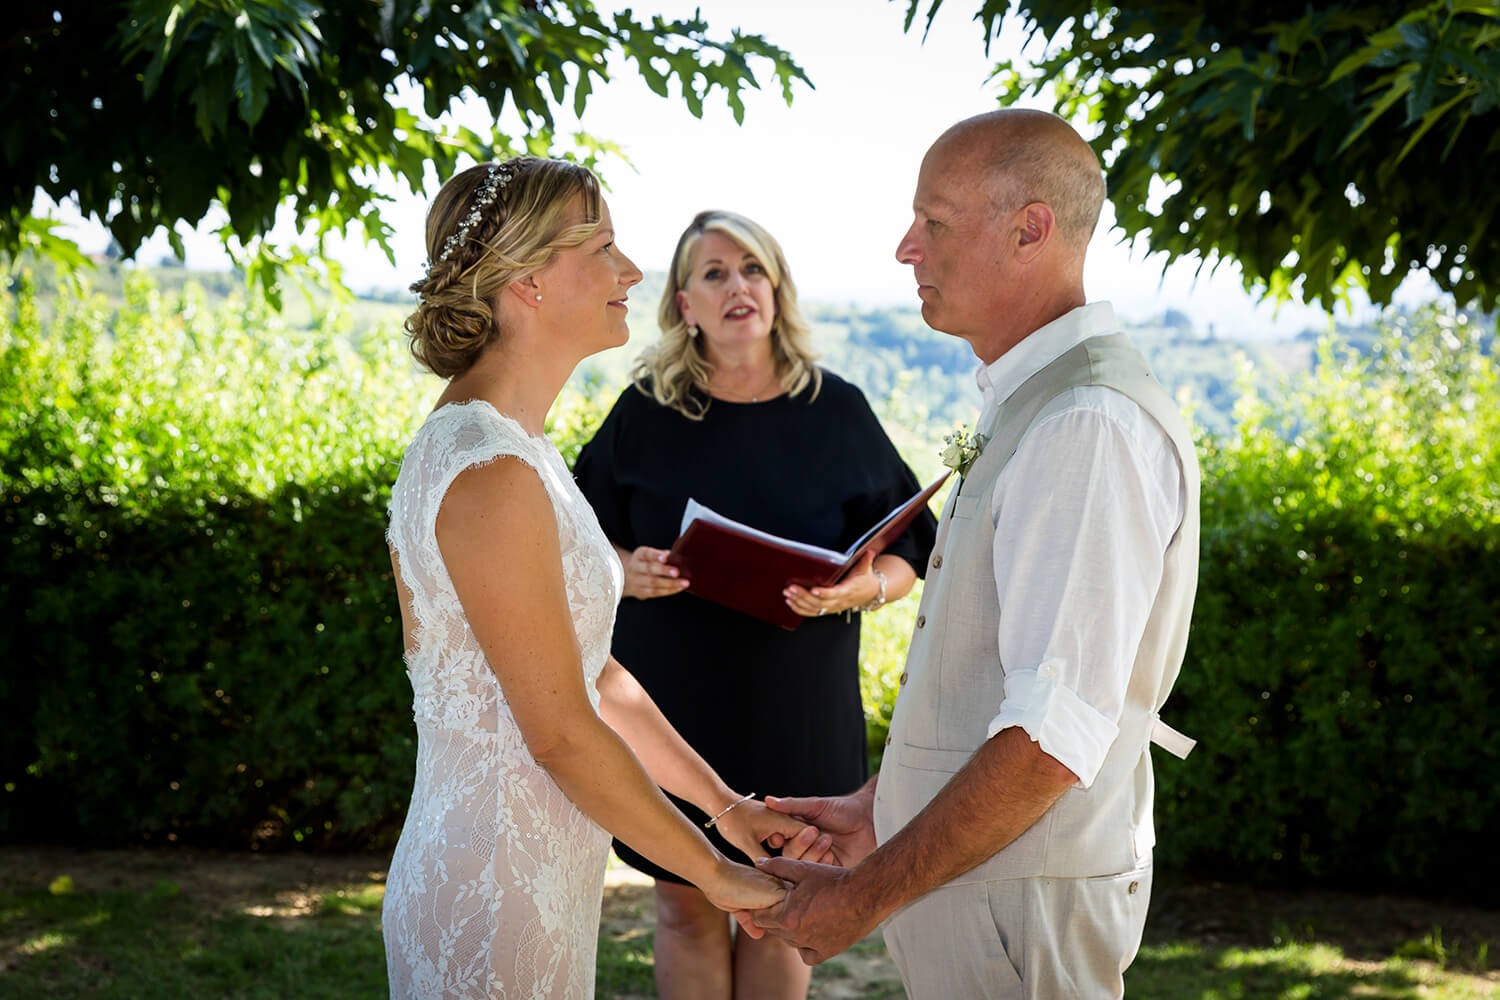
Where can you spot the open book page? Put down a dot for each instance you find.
(747, 569)
(695, 511)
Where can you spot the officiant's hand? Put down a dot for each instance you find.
(647, 573)
(858, 588)
(822, 915)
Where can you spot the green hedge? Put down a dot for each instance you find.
(1345, 654)
(205, 639)
(205, 645)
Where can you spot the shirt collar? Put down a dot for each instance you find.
(1040, 348)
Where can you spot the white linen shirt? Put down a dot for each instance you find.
(1083, 513)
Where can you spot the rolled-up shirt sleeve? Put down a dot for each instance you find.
(1083, 514)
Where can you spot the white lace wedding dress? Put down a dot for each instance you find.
(495, 887)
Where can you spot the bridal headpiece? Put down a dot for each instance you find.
(489, 190)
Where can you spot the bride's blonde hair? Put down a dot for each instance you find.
(674, 372)
(484, 232)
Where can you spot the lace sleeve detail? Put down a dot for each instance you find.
(455, 438)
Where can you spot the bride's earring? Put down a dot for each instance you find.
(692, 329)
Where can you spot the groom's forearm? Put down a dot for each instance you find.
(1006, 786)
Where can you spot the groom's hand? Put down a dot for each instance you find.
(846, 823)
(821, 915)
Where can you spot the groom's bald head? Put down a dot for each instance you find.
(1020, 157)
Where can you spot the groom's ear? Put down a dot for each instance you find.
(1036, 227)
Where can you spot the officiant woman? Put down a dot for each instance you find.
(729, 408)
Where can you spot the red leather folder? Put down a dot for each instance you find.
(746, 569)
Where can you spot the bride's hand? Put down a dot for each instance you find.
(751, 824)
(739, 889)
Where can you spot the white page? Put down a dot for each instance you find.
(695, 511)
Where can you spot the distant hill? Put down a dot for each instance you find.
(912, 374)
(915, 373)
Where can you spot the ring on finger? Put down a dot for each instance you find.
(822, 611)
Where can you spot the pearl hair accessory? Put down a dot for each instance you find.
(494, 181)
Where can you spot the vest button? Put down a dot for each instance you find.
(903, 677)
(1133, 887)
(921, 620)
(887, 741)
(937, 562)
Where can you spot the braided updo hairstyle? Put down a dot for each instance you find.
(514, 236)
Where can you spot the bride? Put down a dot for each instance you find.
(533, 744)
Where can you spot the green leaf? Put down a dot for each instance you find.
(1356, 60)
(1431, 118)
(1399, 84)
(250, 91)
(1432, 63)
(260, 40)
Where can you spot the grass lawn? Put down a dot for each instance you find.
(194, 925)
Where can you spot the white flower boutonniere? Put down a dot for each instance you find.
(960, 449)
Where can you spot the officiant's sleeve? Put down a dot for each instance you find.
(885, 482)
(597, 472)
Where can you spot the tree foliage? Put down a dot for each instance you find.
(148, 113)
(1322, 146)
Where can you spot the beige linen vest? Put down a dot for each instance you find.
(954, 681)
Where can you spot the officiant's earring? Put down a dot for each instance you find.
(692, 329)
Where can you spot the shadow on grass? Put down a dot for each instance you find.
(626, 966)
(1370, 928)
(155, 944)
(279, 932)
(1187, 969)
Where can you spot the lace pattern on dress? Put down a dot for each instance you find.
(496, 882)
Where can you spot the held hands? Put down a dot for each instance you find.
(740, 890)
(858, 588)
(647, 574)
(846, 823)
(750, 824)
(824, 912)
(828, 908)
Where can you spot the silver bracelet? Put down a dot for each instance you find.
(725, 810)
(879, 599)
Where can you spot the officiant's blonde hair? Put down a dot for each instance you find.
(674, 372)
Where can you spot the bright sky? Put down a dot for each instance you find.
(831, 176)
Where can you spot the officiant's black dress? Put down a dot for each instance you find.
(774, 712)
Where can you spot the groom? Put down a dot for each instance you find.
(1013, 807)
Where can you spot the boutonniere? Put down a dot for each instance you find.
(960, 449)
